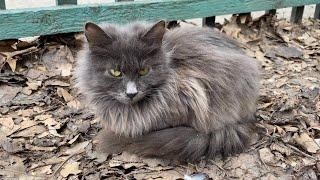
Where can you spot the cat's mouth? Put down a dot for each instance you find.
(127, 100)
(137, 98)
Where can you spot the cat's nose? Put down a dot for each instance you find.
(131, 90)
(131, 95)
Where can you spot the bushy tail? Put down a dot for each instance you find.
(181, 143)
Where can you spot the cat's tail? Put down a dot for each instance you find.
(181, 143)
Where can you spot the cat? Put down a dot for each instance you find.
(180, 94)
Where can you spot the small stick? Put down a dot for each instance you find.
(15, 53)
(60, 167)
(301, 152)
(221, 168)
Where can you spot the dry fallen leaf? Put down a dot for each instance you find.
(2, 61)
(7, 93)
(39, 148)
(44, 170)
(70, 168)
(287, 52)
(290, 128)
(30, 131)
(56, 83)
(25, 112)
(7, 122)
(12, 168)
(34, 85)
(305, 141)
(65, 69)
(307, 39)
(12, 63)
(11, 146)
(74, 104)
(166, 174)
(232, 28)
(281, 148)
(78, 148)
(64, 93)
(266, 156)
(42, 117)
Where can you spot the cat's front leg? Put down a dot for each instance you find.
(111, 143)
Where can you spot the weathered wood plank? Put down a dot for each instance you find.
(64, 2)
(317, 12)
(62, 19)
(2, 4)
(271, 11)
(296, 14)
(209, 21)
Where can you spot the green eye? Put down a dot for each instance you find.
(115, 73)
(144, 71)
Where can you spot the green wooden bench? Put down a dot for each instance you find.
(67, 16)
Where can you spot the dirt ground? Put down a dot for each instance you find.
(47, 131)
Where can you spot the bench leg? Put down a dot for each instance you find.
(271, 12)
(208, 21)
(317, 12)
(296, 14)
(65, 2)
(172, 24)
(2, 4)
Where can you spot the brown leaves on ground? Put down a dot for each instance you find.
(46, 133)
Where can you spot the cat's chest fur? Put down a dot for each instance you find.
(176, 105)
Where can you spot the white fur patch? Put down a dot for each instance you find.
(131, 88)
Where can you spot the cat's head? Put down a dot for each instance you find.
(127, 63)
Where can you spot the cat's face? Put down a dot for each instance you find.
(127, 68)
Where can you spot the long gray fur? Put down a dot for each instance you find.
(199, 98)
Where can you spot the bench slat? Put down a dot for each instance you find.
(63, 19)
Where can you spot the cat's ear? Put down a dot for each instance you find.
(95, 34)
(156, 32)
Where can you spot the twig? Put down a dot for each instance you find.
(301, 152)
(21, 129)
(15, 53)
(188, 22)
(60, 167)
(42, 165)
(221, 168)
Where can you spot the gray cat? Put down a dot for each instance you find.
(179, 94)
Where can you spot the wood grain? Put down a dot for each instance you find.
(63, 19)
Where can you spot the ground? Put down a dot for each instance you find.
(47, 130)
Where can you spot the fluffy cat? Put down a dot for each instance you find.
(178, 94)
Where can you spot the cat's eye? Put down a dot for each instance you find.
(144, 71)
(115, 73)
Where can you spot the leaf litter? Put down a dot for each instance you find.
(47, 133)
